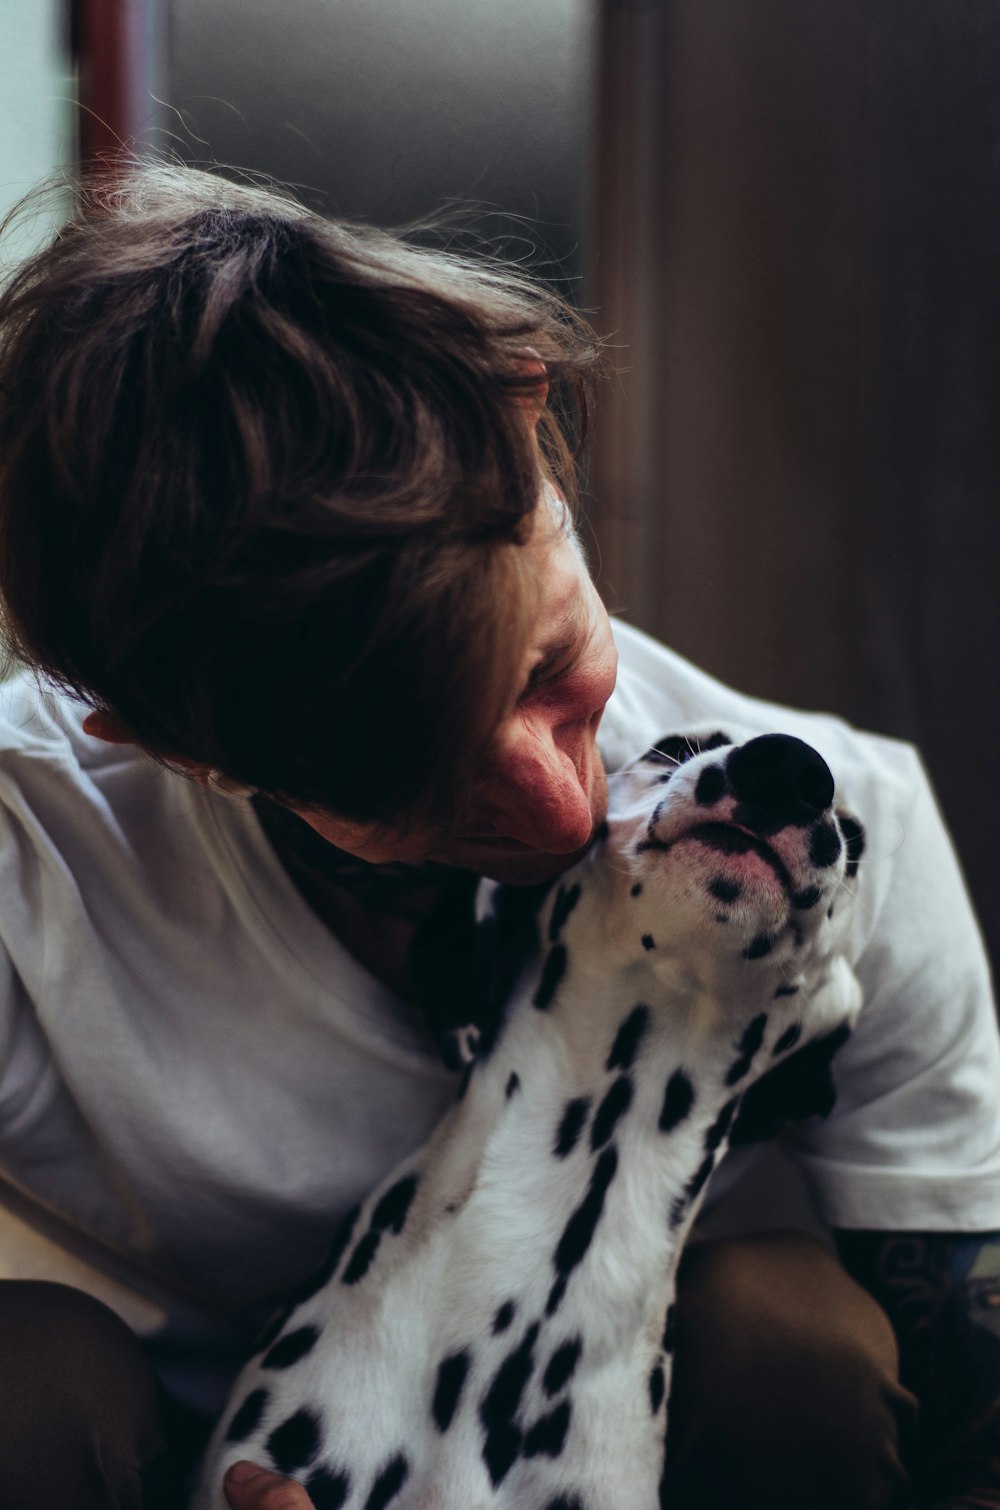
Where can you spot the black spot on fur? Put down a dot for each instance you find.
(500, 1405)
(614, 1106)
(504, 1316)
(670, 1330)
(552, 973)
(636, 890)
(601, 832)
(388, 1484)
(564, 1502)
(363, 1257)
(759, 947)
(503, 1398)
(360, 1260)
(803, 900)
(291, 1347)
(678, 1100)
(854, 839)
(561, 908)
(571, 1126)
(501, 1450)
(248, 1417)
(700, 1178)
(724, 890)
(824, 844)
(786, 991)
(451, 1377)
(789, 1037)
(657, 1388)
(327, 1489)
(648, 941)
(749, 1044)
(579, 1231)
(392, 1209)
(556, 1294)
(800, 1086)
(721, 1126)
(547, 1437)
(711, 786)
(561, 1365)
(295, 1443)
(513, 1084)
(628, 1038)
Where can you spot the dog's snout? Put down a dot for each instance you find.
(782, 775)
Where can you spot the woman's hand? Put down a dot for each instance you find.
(248, 1486)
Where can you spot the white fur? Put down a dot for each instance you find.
(493, 1200)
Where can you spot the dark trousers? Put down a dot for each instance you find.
(785, 1394)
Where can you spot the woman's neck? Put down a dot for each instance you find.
(375, 911)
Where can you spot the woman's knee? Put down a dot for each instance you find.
(786, 1384)
(79, 1409)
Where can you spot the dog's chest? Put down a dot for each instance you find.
(500, 1313)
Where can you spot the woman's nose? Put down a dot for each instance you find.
(539, 786)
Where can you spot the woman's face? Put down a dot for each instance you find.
(541, 790)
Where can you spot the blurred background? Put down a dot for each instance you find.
(786, 215)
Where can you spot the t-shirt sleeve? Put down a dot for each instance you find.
(27, 1073)
(913, 1141)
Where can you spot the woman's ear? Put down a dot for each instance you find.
(107, 727)
(533, 399)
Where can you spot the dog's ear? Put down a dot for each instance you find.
(464, 966)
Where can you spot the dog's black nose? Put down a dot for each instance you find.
(783, 775)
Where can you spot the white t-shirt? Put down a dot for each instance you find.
(196, 1079)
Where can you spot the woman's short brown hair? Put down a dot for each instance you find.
(264, 484)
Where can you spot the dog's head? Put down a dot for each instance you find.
(728, 867)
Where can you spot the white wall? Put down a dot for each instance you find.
(386, 109)
(36, 111)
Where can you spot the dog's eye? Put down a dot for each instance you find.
(854, 842)
(675, 749)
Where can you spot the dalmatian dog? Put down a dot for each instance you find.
(493, 1329)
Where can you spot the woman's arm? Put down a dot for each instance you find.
(941, 1291)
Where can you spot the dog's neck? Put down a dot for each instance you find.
(611, 1118)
